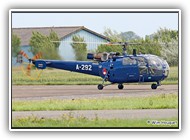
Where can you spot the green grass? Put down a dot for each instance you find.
(55, 77)
(69, 121)
(154, 102)
(173, 76)
(61, 77)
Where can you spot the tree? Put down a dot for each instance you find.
(170, 52)
(111, 48)
(114, 36)
(163, 43)
(168, 39)
(145, 46)
(80, 49)
(15, 43)
(129, 36)
(165, 35)
(42, 43)
(54, 38)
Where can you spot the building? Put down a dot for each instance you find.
(65, 34)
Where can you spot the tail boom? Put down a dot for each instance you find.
(76, 66)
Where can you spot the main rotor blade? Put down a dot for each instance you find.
(82, 42)
(115, 43)
(100, 43)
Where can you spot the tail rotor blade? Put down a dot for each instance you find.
(23, 54)
(37, 56)
(28, 69)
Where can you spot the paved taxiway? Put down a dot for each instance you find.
(86, 91)
(42, 92)
(105, 114)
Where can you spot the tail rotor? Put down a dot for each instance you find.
(28, 68)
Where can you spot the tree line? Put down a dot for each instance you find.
(163, 43)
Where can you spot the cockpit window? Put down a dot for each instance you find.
(142, 65)
(155, 65)
(129, 61)
(141, 61)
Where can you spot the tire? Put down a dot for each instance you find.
(154, 86)
(120, 86)
(100, 86)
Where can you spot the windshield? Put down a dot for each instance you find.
(157, 65)
(165, 64)
(155, 62)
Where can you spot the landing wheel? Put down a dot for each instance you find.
(120, 86)
(100, 86)
(154, 86)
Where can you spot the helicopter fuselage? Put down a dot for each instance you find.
(119, 69)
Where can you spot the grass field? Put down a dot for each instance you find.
(61, 77)
(70, 121)
(153, 102)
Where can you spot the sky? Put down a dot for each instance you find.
(140, 23)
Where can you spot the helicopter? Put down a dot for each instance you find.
(112, 67)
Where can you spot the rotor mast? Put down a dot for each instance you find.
(125, 44)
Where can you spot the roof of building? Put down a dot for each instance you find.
(26, 33)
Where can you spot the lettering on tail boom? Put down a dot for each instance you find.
(84, 67)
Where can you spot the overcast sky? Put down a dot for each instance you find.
(141, 23)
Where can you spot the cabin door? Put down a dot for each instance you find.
(143, 68)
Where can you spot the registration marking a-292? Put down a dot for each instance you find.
(84, 67)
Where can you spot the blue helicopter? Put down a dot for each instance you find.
(112, 67)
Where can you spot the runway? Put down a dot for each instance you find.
(43, 92)
(86, 91)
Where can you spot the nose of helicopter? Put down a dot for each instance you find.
(166, 68)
